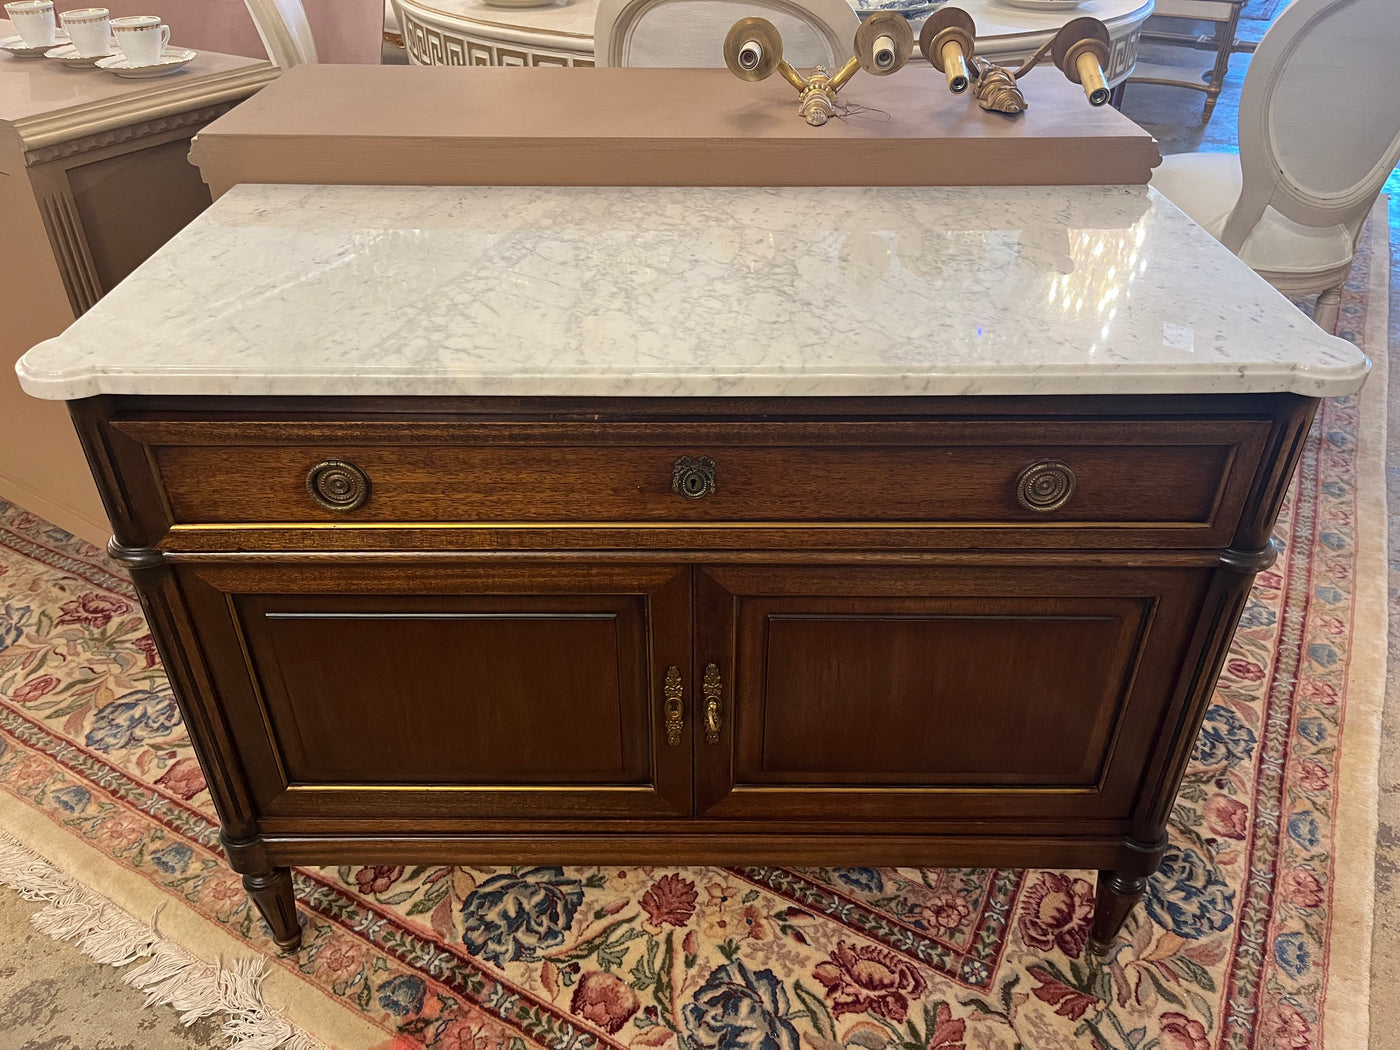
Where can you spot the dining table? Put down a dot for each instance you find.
(483, 33)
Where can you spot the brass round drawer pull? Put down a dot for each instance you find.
(693, 478)
(1045, 486)
(338, 485)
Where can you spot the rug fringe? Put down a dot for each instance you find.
(170, 975)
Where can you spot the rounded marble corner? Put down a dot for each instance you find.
(49, 382)
(1337, 380)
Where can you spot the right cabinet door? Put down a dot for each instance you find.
(923, 693)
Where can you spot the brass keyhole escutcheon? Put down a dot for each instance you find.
(673, 712)
(693, 477)
(338, 485)
(712, 687)
(1045, 486)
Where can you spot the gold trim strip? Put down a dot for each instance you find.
(592, 789)
(595, 526)
(745, 789)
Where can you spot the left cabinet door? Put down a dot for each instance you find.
(368, 690)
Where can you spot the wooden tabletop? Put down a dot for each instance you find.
(42, 101)
(441, 125)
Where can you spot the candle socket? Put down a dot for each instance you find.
(1092, 78)
(884, 43)
(1081, 50)
(955, 67)
(949, 40)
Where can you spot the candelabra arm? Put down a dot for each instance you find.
(838, 81)
(1035, 59)
(792, 76)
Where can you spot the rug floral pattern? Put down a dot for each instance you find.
(1230, 949)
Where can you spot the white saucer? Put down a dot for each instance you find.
(1045, 5)
(67, 54)
(171, 59)
(16, 46)
(519, 3)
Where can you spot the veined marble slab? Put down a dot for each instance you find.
(659, 291)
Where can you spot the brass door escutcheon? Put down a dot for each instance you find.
(337, 484)
(712, 689)
(693, 478)
(675, 715)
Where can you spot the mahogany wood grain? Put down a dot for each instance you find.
(1191, 475)
(772, 846)
(913, 668)
(932, 693)
(499, 691)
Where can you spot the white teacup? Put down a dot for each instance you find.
(142, 38)
(34, 21)
(90, 29)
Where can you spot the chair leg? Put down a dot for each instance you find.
(1328, 306)
(1212, 97)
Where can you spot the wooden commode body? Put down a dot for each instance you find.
(870, 650)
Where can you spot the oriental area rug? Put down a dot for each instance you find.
(1255, 934)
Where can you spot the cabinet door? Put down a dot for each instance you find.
(936, 693)
(361, 690)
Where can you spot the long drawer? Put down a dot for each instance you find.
(1162, 474)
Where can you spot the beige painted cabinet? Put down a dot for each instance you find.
(94, 177)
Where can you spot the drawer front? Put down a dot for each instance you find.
(1176, 474)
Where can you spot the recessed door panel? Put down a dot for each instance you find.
(922, 693)
(487, 690)
(358, 691)
(969, 695)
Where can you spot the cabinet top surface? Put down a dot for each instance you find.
(34, 89)
(657, 291)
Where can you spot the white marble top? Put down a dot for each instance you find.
(701, 291)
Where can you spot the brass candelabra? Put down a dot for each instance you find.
(753, 50)
(1079, 50)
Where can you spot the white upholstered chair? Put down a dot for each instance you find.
(690, 33)
(1319, 133)
(284, 30)
(393, 32)
(345, 30)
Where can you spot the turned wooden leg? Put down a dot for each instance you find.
(1117, 896)
(271, 891)
(1211, 98)
(1328, 306)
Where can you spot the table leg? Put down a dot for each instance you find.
(272, 892)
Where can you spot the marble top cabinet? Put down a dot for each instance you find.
(807, 526)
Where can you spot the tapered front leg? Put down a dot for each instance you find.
(1117, 895)
(271, 891)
